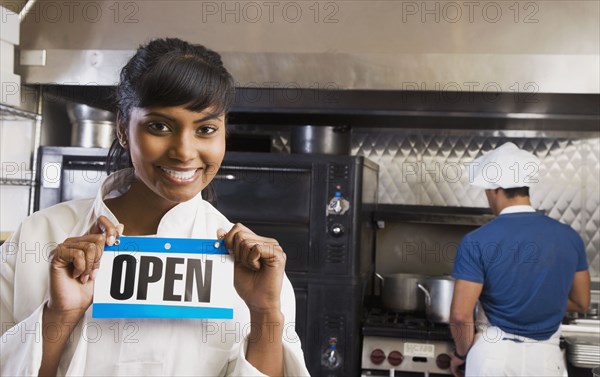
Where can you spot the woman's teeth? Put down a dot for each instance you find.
(178, 174)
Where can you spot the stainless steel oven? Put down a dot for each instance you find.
(67, 173)
(320, 209)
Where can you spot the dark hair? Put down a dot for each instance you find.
(169, 72)
(516, 191)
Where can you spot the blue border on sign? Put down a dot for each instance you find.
(167, 245)
(158, 311)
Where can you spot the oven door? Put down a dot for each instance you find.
(272, 202)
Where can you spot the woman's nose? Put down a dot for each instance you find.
(183, 149)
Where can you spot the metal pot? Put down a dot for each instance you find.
(321, 139)
(399, 292)
(438, 298)
(91, 127)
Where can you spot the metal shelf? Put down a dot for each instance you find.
(11, 113)
(5, 181)
(8, 112)
(433, 214)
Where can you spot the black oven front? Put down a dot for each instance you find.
(289, 196)
(329, 247)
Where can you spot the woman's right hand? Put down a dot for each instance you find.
(74, 265)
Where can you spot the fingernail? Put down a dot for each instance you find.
(93, 274)
(85, 278)
(111, 240)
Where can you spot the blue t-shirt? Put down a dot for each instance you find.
(526, 262)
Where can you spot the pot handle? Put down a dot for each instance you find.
(381, 280)
(427, 295)
(341, 129)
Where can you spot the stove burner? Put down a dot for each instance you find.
(380, 322)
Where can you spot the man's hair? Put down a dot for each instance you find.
(516, 191)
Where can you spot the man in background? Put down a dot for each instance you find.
(524, 268)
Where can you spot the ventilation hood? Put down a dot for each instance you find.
(519, 47)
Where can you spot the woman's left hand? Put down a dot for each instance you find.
(259, 268)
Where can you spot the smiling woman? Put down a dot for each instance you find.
(175, 153)
(172, 101)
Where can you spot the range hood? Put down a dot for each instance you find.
(514, 47)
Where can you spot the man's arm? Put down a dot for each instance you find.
(462, 323)
(579, 297)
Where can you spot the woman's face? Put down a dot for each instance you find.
(176, 152)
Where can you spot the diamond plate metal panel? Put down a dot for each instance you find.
(398, 154)
(591, 203)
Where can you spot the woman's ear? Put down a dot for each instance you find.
(121, 134)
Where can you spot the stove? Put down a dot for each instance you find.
(399, 344)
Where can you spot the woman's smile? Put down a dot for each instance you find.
(180, 176)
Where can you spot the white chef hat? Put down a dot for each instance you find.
(505, 167)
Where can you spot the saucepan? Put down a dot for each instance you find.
(399, 292)
(91, 127)
(438, 292)
(321, 139)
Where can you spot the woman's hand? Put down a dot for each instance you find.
(259, 268)
(73, 268)
(258, 279)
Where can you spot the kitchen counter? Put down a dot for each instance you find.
(581, 338)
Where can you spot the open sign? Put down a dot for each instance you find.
(148, 277)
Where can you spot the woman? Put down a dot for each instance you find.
(172, 101)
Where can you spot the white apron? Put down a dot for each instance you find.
(498, 353)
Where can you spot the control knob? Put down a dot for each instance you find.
(443, 361)
(377, 356)
(395, 358)
(337, 229)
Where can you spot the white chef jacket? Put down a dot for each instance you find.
(131, 347)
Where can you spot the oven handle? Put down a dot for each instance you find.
(82, 164)
(223, 173)
(262, 168)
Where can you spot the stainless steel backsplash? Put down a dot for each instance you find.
(428, 167)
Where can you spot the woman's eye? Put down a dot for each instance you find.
(158, 127)
(206, 130)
